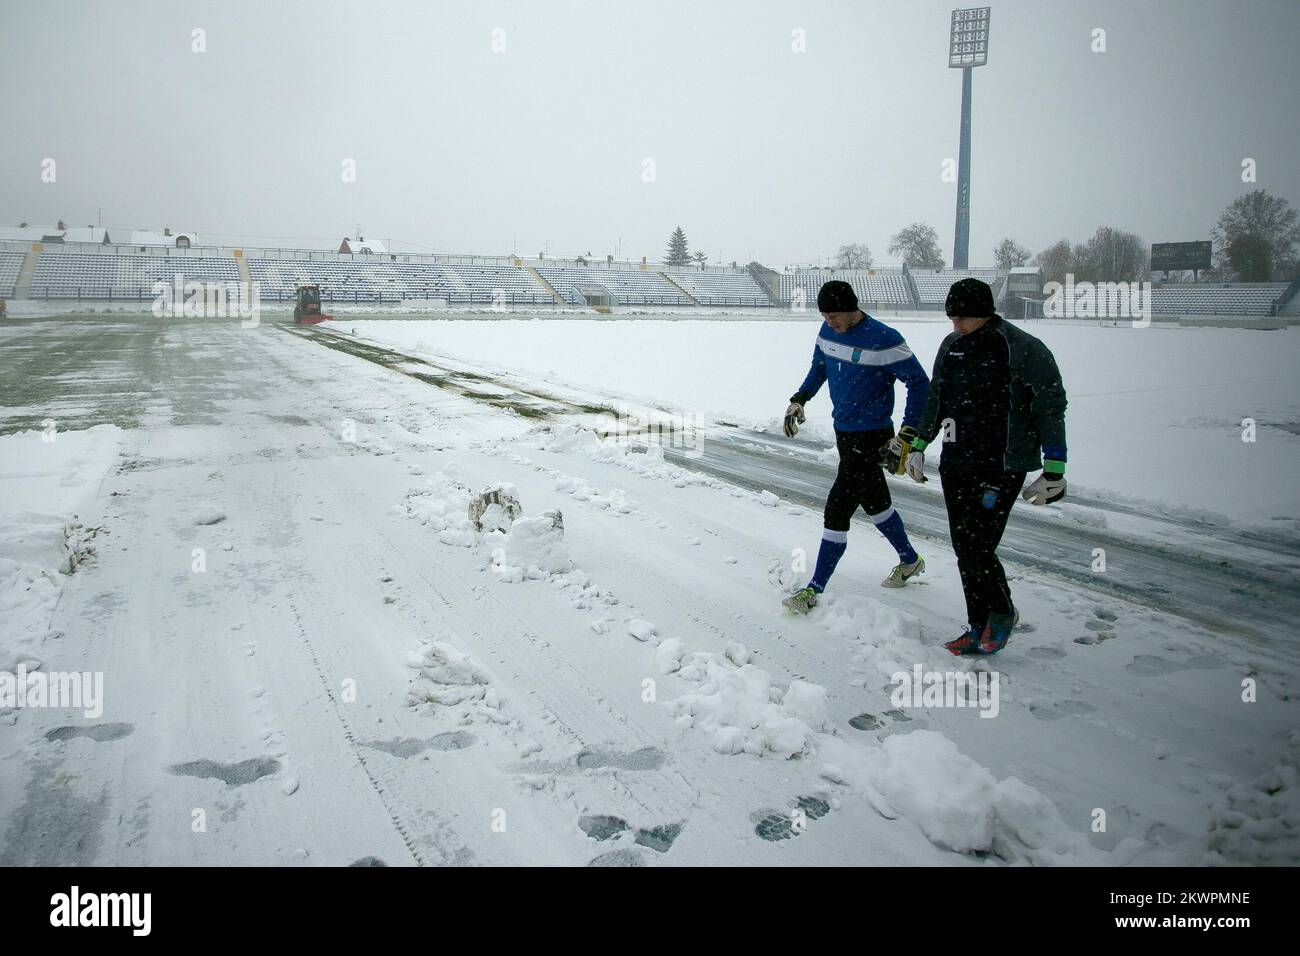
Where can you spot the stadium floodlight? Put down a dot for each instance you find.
(968, 46)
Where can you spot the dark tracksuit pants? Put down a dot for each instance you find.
(979, 503)
(860, 481)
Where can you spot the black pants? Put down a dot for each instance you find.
(978, 506)
(860, 481)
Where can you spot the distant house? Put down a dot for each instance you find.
(367, 246)
(88, 234)
(147, 237)
(27, 234)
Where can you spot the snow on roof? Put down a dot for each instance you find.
(365, 245)
(26, 234)
(147, 237)
(85, 234)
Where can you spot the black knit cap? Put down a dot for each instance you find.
(971, 299)
(837, 296)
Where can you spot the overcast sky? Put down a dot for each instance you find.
(759, 151)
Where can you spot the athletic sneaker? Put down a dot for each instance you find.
(903, 573)
(802, 601)
(997, 632)
(966, 643)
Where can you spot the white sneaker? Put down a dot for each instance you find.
(903, 573)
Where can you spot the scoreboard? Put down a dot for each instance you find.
(1180, 256)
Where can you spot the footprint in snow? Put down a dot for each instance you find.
(96, 732)
(1148, 665)
(1055, 710)
(628, 857)
(874, 722)
(600, 827)
(775, 825)
(231, 774)
(406, 747)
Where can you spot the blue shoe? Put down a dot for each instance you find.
(997, 632)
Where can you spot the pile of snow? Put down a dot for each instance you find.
(442, 505)
(1259, 822)
(958, 804)
(42, 543)
(745, 713)
(580, 490)
(889, 640)
(207, 513)
(449, 678)
(534, 548)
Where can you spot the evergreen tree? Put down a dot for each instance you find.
(678, 253)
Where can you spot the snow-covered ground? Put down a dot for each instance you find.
(311, 654)
(1155, 414)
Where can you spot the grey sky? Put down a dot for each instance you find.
(759, 151)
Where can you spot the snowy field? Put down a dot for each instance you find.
(1155, 414)
(311, 656)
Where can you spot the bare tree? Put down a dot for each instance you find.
(1111, 255)
(853, 255)
(918, 245)
(1056, 261)
(1009, 254)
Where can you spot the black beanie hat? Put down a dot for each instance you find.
(971, 299)
(837, 296)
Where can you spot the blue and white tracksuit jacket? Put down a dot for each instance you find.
(861, 366)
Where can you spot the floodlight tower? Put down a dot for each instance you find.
(968, 47)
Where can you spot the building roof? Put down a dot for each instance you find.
(147, 237)
(86, 234)
(27, 234)
(363, 245)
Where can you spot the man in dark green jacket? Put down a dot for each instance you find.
(997, 396)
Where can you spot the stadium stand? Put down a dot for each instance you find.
(1237, 298)
(364, 280)
(720, 288)
(11, 263)
(932, 285)
(874, 287)
(68, 275)
(625, 286)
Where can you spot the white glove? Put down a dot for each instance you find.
(1045, 489)
(916, 466)
(794, 417)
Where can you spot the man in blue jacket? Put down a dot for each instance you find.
(860, 359)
